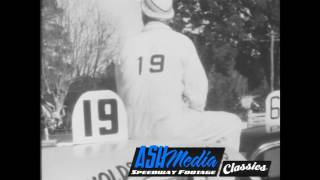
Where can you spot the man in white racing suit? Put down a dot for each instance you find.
(164, 87)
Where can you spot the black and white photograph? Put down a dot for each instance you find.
(123, 82)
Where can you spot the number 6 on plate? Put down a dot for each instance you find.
(99, 116)
(273, 112)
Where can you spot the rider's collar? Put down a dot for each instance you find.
(155, 25)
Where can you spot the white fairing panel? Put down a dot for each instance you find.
(105, 161)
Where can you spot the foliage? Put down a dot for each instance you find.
(77, 42)
(231, 38)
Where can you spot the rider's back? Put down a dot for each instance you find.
(151, 77)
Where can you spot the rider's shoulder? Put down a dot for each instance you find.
(182, 38)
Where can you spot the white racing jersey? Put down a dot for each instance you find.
(159, 77)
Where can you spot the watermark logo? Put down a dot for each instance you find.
(245, 168)
(169, 161)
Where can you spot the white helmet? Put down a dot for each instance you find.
(158, 9)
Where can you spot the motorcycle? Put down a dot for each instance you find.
(261, 139)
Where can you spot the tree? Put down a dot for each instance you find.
(56, 47)
(76, 41)
(231, 38)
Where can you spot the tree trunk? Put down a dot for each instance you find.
(46, 134)
(59, 108)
